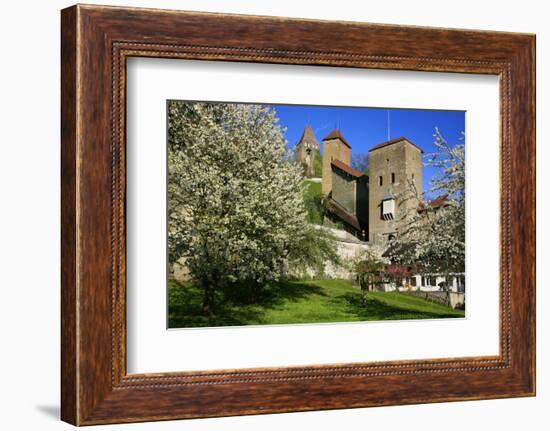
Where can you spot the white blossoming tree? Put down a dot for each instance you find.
(236, 211)
(433, 233)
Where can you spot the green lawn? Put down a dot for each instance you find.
(312, 301)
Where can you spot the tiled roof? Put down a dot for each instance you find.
(389, 195)
(338, 210)
(335, 134)
(394, 141)
(435, 203)
(347, 169)
(309, 137)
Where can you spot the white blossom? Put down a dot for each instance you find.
(236, 209)
(433, 236)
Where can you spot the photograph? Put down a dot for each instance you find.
(299, 214)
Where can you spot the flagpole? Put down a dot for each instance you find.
(388, 114)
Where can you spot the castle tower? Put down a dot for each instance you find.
(335, 147)
(306, 150)
(392, 165)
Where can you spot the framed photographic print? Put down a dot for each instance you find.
(266, 215)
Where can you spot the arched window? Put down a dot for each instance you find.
(393, 177)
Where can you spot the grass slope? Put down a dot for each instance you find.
(312, 301)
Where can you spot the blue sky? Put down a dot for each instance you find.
(365, 127)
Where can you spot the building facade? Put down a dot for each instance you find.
(395, 168)
(335, 147)
(349, 199)
(372, 208)
(306, 150)
(369, 206)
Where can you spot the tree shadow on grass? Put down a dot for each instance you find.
(185, 309)
(185, 304)
(289, 291)
(374, 309)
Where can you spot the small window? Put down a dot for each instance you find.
(380, 180)
(413, 176)
(393, 177)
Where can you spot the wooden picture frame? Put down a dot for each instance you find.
(95, 43)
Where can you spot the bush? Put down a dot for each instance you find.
(369, 269)
(317, 165)
(313, 201)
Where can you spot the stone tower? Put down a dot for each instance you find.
(306, 150)
(391, 165)
(335, 147)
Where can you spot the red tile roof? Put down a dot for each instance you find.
(338, 210)
(435, 203)
(335, 134)
(347, 169)
(394, 141)
(308, 137)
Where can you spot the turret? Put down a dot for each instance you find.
(335, 147)
(306, 150)
(393, 167)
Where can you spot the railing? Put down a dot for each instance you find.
(439, 297)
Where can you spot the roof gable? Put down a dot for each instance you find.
(395, 141)
(343, 214)
(335, 134)
(436, 203)
(308, 137)
(346, 168)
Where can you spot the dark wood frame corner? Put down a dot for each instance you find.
(95, 43)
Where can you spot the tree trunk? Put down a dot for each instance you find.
(253, 293)
(208, 299)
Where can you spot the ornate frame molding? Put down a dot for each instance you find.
(96, 41)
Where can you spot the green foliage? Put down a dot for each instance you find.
(236, 210)
(368, 268)
(434, 237)
(316, 170)
(339, 225)
(299, 301)
(312, 251)
(313, 201)
(317, 164)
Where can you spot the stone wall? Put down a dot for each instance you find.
(333, 149)
(404, 161)
(344, 190)
(452, 299)
(348, 247)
